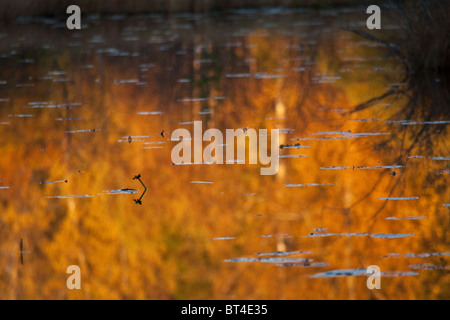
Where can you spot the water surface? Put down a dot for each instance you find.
(83, 112)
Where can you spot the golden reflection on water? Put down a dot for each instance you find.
(70, 100)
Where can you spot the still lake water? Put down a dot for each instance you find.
(82, 112)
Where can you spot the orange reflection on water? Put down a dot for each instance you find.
(241, 235)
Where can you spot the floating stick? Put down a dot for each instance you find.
(138, 177)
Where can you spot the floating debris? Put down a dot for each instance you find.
(408, 122)
(129, 139)
(293, 156)
(126, 81)
(51, 105)
(69, 119)
(261, 75)
(294, 146)
(310, 184)
(120, 191)
(428, 266)
(221, 238)
(344, 234)
(191, 99)
(238, 75)
(283, 253)
(361, 272)
(400, 198)
(341, 273)
(71, 196)
(83, 131)
(145, 113)
(22, 115)
(330, 132)
(398, 274)
(139, 201)
(392, 235)
(368, 119)
(202, 182)
(392, 255)
(192, 163)
(306, 264)
(57, 73)
(55, 181)
(427, 255)
(364, 168)
(406, 218)
(153, 142)
(366, 134)
(432, 158)
(269, 260)
(289, 131)
(334, 138)
(297, 139)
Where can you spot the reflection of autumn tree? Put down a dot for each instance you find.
(164, 249)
